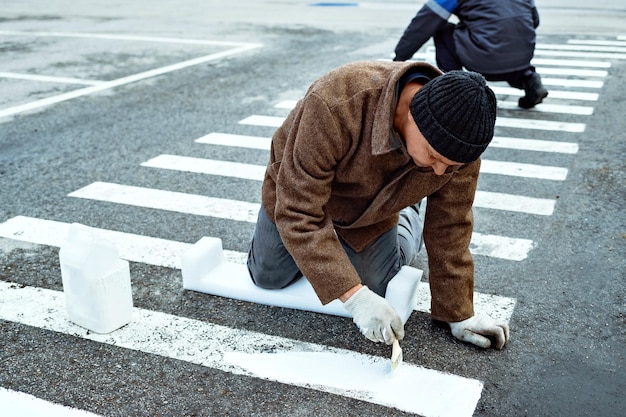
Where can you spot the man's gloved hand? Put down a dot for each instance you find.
(376, 319)
(476, 329)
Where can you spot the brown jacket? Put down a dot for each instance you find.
(338, 167)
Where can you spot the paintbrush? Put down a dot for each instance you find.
(396, 355)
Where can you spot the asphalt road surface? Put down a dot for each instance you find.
(150, 123)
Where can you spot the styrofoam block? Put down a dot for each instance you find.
(205, 269)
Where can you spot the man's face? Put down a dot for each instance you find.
(423, 154)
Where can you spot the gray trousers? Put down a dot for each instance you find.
(272, 267)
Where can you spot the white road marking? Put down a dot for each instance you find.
(564, 82)
(511, 202)
(540, 124)
(567, 95)
(49, 79)
(276, 121)
(123, 81)
(19, 404)
(410, 388)
(242, 141)
(571, 63)
(572, 71)
(517, 169)
(170, 200)
(577, 54)
(207, 166)
(534, 145)
(571, 46)
(547, 108)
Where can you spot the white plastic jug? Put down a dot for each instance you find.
(96, 282)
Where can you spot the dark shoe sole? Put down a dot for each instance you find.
(527, 102)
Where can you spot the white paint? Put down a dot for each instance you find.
(267, 121)
(170, 200)
(595, 42)
(19, 404)
(123, 81)
(494, 246)
(534, 145)
(46, 78)
(241, 141)
(576, 54)
(133, 38)
(571, 63)
(578, 46)
(368, 378)
(567, 95)
(286, 104)
(517, 169)
(562, 82)
(207, 166)
(547, 108)
(572, 71)
(510, 202)
(540, 124)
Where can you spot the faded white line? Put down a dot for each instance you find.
(49, 79)
(123, 81)
(410, 388)
(20, 404)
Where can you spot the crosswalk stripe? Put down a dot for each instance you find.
(570, 46)
(276, 121)
(547, 108)
(523, 170)
(49, 79)
(170, 200)
(167, 253)
(570, 63)
(561, 82)
(566, 95)
(512, 202)
(540, 124)
(576, 54)
(251, 354)
(596, 42)
(242, 141)
(257, 172)
(572, 71)
(534, 145)
(19, 404)
(207, 166)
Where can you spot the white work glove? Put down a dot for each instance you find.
(476, 329)
(374, 316)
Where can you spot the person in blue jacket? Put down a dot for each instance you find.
(495, 38)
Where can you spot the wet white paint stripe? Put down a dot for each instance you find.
(539, 124)
(368, 378)
(547, 108)
(49, 79)
(170, 200)
(571, 63)
(566, 95)
(19, 404)
(242, 141)
(123, 81)
(572, 71)
(534, 145)
(517, 169)
(512, 202)
(207, 166)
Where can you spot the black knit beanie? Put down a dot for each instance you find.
(456, 113)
